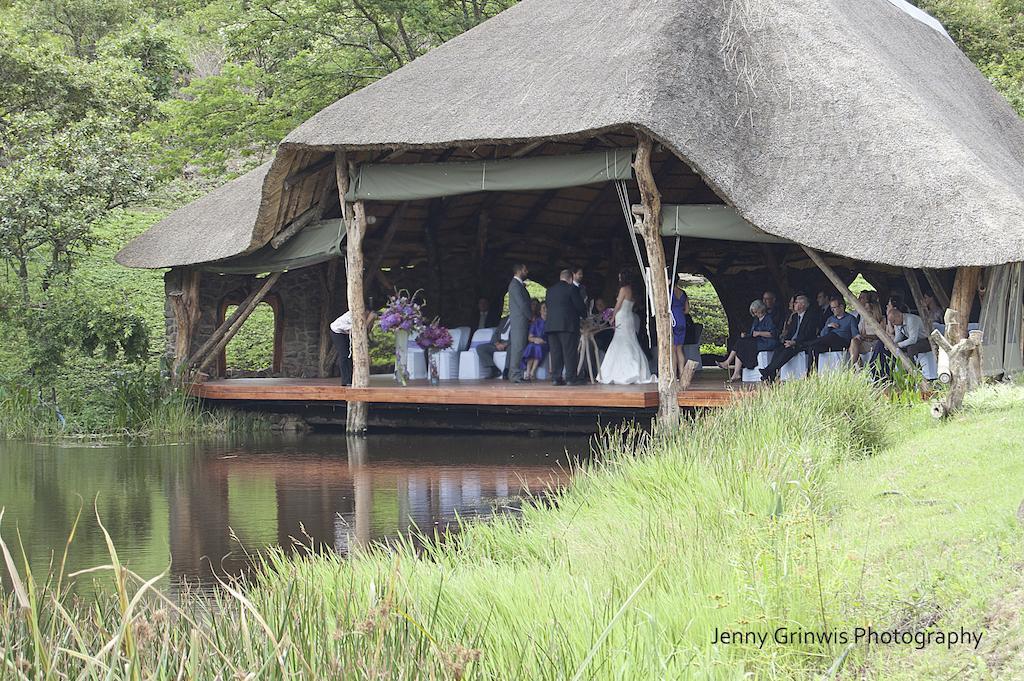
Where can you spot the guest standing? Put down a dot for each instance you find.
(519, 317)
(680, 312)
(565, 310)
(341, 334)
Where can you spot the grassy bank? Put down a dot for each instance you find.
(814, 507)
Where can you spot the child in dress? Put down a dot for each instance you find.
(537, 349)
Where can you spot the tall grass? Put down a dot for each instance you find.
(625, 576)
(134, 406)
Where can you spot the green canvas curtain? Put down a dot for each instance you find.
(410, 182)
(711, 222)
(315, 244)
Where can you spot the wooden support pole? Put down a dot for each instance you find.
(778, 273)
(389, 235)
(328, 285)
(227, 331)
(965, 288)
(184, 301)
(941, 296)
(918, 295)
(650, 229)
(876, 328)
(355, 221)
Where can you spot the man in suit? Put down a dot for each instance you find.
(803, 329)
(486, 318)
(565, 309)
(519, 314)
(577, 281)
(499, 343)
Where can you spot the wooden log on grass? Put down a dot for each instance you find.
(650, 230)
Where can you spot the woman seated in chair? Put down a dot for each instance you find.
(865, 338)
(537, 348)
(763, 337)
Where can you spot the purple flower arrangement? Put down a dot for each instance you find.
(402, 313)
(434, 337)
(608, 315)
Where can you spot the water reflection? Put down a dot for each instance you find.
(192, 508)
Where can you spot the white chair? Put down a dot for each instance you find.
(795, 368)
(449, 360)
(499, 360)
(829, 362)
(763, 360)
(469, 360)
(692, 351)
(929, 366)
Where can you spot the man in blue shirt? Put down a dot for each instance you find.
(838, 331)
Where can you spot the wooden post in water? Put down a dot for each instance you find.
(650, 229)
(355, 222)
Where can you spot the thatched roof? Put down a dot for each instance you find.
(850, 127)
(218, 225)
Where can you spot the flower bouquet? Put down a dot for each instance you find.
(402, 315)
(433, 339)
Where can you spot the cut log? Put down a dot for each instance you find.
(650, 229)
(223, 335)
(876, 328)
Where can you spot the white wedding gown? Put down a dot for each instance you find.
(625, 362)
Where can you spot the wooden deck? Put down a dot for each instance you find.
(707, 390)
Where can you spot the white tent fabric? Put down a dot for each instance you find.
(711, 222)
(1002, 320)
(921, 16)
(409, 182)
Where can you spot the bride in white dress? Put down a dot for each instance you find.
(625, 362)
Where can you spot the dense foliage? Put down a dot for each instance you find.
(110, 105)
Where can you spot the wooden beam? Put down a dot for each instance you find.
(297, 225)
(184, 301)
(918, 295)
(328, 284)
(297, 177)
(941, 296)
(778, 272)
(965, 288)
(355, 220)
(668, 387)
(227, 331)
(876, 328)
(528, 148)
(389, 235)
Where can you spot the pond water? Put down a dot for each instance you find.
(197, 509)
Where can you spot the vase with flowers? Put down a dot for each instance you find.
(403, 315)
(433, 339)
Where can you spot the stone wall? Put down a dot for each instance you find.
(299, 293)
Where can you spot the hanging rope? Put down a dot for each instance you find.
(645, 272)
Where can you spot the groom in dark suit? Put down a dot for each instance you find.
(519, 322)
(565, 309)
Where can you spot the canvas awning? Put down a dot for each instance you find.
(315, 244)
(711, 222)
(397, 182)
